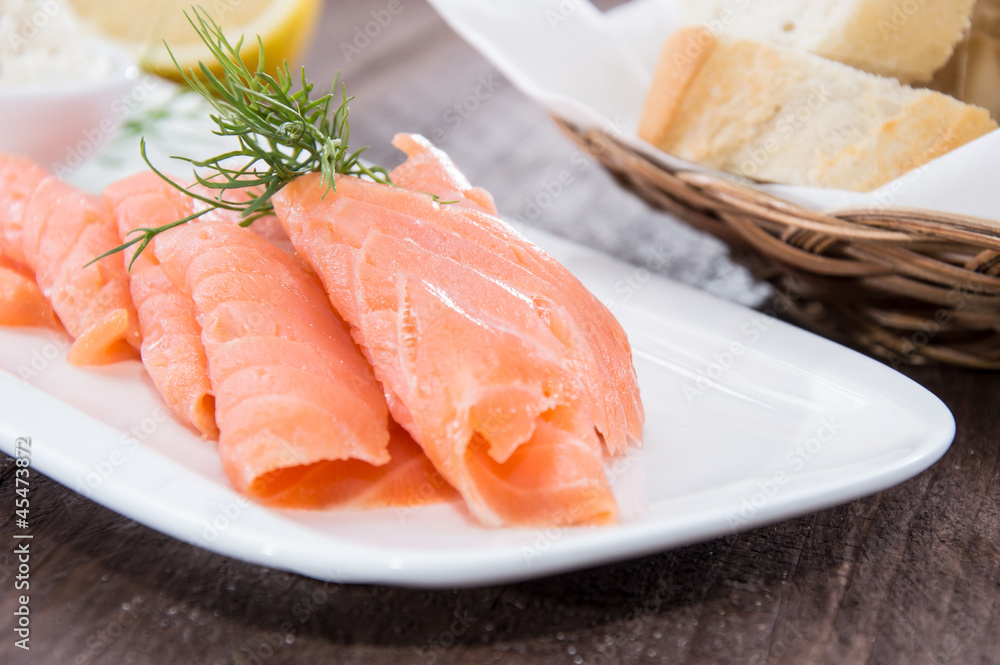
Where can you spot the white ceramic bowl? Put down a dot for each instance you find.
(59, 125)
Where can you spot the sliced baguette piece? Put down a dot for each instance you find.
(794, 117)
(906, 39)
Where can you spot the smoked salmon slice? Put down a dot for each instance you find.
(19, 178)
(21, 302)
(429, 169)
(171, 349)
(54, 231)
(408, 480)
(600, 347)
(302, 421)
(484, 359)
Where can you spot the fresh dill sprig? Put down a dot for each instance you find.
(282, 134)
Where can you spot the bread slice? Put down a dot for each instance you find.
(907, 39)
(794, 117)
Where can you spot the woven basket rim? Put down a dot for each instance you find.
(880, 277)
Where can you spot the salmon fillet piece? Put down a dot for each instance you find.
(408, 480)
(598, 345)
(19, 178)
(429, 169)
(484, 360)
(21, 302)
(301, 417)
(53, 231)
(171, 349)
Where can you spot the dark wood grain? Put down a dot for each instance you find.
(910, 575)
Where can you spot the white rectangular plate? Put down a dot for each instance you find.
(749, 421)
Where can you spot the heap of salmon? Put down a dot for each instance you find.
(370, 346)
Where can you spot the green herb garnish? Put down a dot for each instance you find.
(282, 134)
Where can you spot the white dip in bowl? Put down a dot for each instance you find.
(62, 93)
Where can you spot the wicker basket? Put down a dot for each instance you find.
(910, 286)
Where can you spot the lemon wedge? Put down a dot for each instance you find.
(284, 26)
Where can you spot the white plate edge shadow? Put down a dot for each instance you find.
(268, 538)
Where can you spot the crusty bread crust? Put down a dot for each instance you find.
(682, 57)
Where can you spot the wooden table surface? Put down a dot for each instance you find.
(910, 575)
